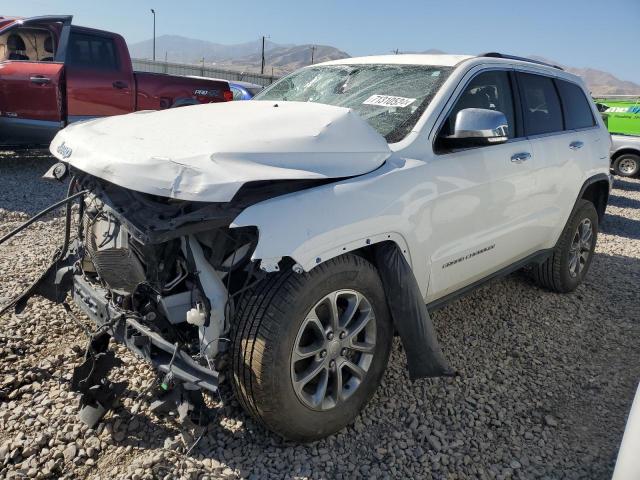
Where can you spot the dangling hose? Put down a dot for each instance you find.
(65, 245)
(67, 200)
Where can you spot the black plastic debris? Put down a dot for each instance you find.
(184, 399)
(410, 315)
(90, 379)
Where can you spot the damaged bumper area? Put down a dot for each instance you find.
(154, 273)
(148, 344)
(157, 275)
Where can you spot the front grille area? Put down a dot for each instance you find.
(107, 246)
(119, 268)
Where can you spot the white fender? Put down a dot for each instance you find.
(314, 225)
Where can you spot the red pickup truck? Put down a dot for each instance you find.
(53, 73)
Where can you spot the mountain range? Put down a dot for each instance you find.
(281, 59)
(600, 83)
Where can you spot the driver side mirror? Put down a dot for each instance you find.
(476, 127)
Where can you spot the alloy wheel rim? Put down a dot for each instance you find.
(333, 350)
(580, 249)
(627, 165)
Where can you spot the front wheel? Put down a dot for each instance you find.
(310, 349)
(627, 165)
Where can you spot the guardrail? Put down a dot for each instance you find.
(185, 69)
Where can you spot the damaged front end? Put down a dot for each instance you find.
(158, 275)
(155, 264)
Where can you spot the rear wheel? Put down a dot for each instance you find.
(569, 262)
(310, 349)
(627, 165)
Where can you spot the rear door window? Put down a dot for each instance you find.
(576, 108)
(540, 104)
(92, 51)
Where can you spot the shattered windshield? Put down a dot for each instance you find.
(390, 97)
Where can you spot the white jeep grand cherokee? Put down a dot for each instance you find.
(285, 239)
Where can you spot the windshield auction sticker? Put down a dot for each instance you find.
(388, 101)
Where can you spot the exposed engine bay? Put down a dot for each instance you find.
(178, 287)
(161, 276)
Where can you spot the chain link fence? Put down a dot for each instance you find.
(186, 69)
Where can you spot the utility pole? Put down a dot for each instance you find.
(262, 66)
(154, 34)
(313, 50)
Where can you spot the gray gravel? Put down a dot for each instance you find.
(545, 387)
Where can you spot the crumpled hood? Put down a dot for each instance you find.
(207, 152)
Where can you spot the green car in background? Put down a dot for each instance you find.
(621, 114)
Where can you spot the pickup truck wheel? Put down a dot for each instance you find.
(627, 165)
(569, 262)
(309, 350)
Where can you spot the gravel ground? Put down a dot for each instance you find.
(545, 387)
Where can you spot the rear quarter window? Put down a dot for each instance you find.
(540, 104)
(575, 106)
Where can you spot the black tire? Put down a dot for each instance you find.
(627, 165)
(265, 329)
(554, 273)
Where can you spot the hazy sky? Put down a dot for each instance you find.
(587, 33)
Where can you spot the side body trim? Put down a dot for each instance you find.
(536, 257)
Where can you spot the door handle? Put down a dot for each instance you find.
(120, 84)
(577, 145)
(520, 157)
(39, 79)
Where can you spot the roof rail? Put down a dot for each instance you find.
(522, 59)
